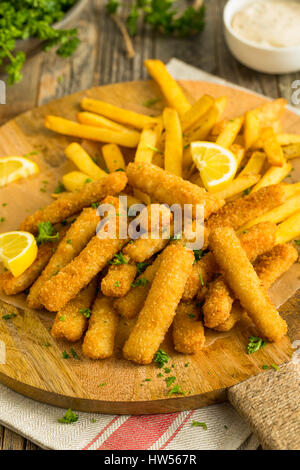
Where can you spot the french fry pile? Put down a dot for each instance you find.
(249, 224)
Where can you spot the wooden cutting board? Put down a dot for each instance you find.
(115, 385)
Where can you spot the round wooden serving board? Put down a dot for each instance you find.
(114, 385)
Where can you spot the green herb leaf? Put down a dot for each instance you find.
(86, 312)
(161, 358)
(45, 233)
(200, 425)
(255, 343)
(69, 417)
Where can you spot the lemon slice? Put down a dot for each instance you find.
(14, 168)
(18, 251)
(217, 165)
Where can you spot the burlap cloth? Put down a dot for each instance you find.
(269, 402)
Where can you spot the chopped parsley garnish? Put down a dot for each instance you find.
(161, 358)
(2, 219)
(65, 355)
(151, 102)
(69, 242)
(69, 417)
(74, 354)
(176, 236)
(117, 284)
(191, 315)
(9, 316)
(265, 367)
(198, 255)
(147, 380)
(102, 385)
(247, 191)
(170, 380)
(141, 267)
(255, 343)
(120, 169)
(93, 420)
(94, 205)
(201, 280)
(86, 312)
(118, 259)
(176, 391)
(62, 318)
(275, 366)
(45, 233)
(297, 242)
(200, 425)
(88, 180)
(154, 149)
(167, 370)
(186, 364)
(47, 344)
(4, 204)
(159, 375)
(142, 282)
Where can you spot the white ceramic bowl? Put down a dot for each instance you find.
(263, 59)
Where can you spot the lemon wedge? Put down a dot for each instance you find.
(14, 168)
(217, 165)
(18, 251)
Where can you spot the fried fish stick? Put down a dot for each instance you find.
(71, 321)
(160, 306)
(76, 238)
(171, 189)
(188, 330)
(242, 210)
(142, 249)
(60, 289)
(99, 340)
(257, 240)
(119, 278)
(70, 204)
(169, 87)
(132, 303)
(269, 267)
(243, 280)
(219, 298)
(11, 285)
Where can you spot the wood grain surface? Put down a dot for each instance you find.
(100, 60)
(41, 373)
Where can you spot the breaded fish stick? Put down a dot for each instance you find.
(63, 287)
(255, 241)
(132, 303)
(119, 278)
(243, 280)
(70, 204)
(188, 330)
(240, 211)
(269, 267)
(71, 321)
(76, 238)
(11, 285)
(219, 298)
(160, 306)
(170, 189)
(99, 340)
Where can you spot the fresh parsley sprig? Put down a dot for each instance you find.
(33, 18)
(255, 343)
(46, 233)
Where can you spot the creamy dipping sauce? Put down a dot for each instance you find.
(274, 23)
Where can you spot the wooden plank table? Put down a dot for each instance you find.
(100, 60)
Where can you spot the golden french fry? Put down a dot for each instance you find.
(239, 152)
(74, 129)
(291, 151)
(75, 180)
(173, 143)
(230, 132)
(278, 214)
(113, 157)
(288, 139)
(273, 175)
(220, 104)
(251, 129)
(289, 229)
(254, 165)
(291, 190)
(272, 148)
(95, 120)
(143, 197)
(123, 116)
(239, 184)
(83, 161)
(169, 87)
(188, 330)
(196, 112)
(148, 143)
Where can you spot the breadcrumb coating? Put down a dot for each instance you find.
(170, 189)
(99, 339)
(188, 330)
(71, 203)
(243, 280)
(119, 278)
(70, 322)
(160, 306)
(76, 238)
